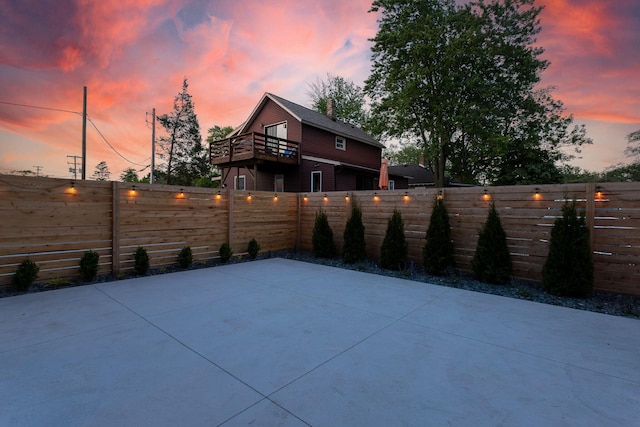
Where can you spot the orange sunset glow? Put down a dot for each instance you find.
(133, 55)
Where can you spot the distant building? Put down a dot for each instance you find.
(417, 175)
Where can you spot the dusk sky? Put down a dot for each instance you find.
(133, 55)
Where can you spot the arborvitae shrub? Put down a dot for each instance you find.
(89, 266)
(225, 253)
(568, 270)
(354, 246)
(253, 249)
(437, 253)
(185, 257)
(492, 261)
(393, 252)
(25, 275)
(141, 261)
(322, 238)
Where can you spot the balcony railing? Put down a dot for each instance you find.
(248, 147)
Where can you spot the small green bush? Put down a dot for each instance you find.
(185, 257)
(568, 270)
(141, 261)
(437, 253)
(56, 283)
(25, 275)
(225, 253)
(354, 246)
(322, 238)
(89, 266)
(253, 248)
(393, 252)
(492, 261)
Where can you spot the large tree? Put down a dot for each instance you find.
(187, 158)
(633, 147)
(464, 80)
(218, 132)
(102, 172)
(129, 175)
(348, 97)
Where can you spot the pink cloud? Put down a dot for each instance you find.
(133, 54)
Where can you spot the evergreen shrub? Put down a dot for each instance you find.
(253, 248)
(89, 266)
(225, 253)
(492, 261)
(322, 238)
(568, 270)
(185, 257)
(354, 246)
(437, 252)
(393, 252)
(25, 275)
(141, 261)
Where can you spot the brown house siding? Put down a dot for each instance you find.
(320, 143)
(272, 114)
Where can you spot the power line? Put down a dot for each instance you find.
(79, 113)
(111, 146)
(40, 108)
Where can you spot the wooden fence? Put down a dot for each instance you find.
(54, 222)
(612, 211)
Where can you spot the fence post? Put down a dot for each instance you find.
(299, 219)
(230, 218)
(115, 228)
(590, 211)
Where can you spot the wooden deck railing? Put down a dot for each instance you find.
(254, 145)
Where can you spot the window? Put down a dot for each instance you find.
(278, 183)
(316, 181)
(341, 143)
(392, 184)
(240, 182)
(276, 131)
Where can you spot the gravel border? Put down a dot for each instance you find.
(599, 302)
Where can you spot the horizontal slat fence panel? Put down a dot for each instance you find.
(53, 223)
(164, 219)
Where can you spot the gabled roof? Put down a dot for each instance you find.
(418, 175)
(312, 118)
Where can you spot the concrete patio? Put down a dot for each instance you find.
(285, 343)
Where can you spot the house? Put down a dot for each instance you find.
(284, 146)
(417, 174)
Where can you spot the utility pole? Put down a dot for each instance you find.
(74, 169)
(84, 133)
(38, 168)
(153, 144)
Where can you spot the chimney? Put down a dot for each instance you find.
(331, 108)
(421, 160)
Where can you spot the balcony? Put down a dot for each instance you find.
(252, 148)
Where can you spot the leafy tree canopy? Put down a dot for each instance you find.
(463, 80)
(348, 97)
(129, 175)
(216, 132)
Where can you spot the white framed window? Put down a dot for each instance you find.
(240, 182)
(341, 143)
(392, 184)
(278, 183)
(316, 181)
